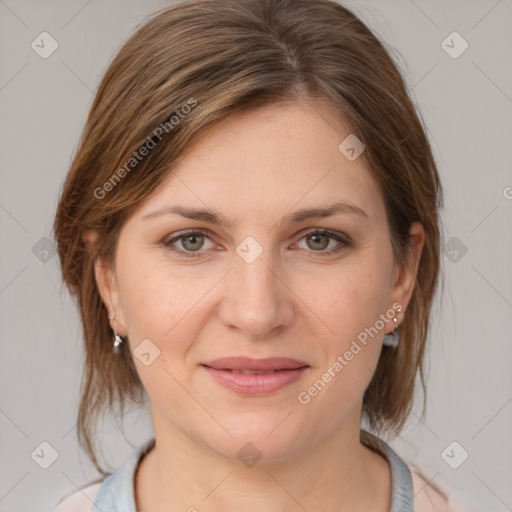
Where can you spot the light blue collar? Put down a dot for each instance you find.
(402, 495)
(117, 494)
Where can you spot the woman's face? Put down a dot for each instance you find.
(261, 285)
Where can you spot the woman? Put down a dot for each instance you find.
(250, 225)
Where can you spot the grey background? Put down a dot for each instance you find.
(466, 104)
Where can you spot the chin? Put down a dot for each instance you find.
(267, 439)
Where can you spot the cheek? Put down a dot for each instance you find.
(351, 306)
(154, 303)
(354, 299)
(156, 307)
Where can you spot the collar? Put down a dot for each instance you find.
(117, 494)
(402, 495)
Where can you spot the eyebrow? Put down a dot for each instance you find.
(291, 218)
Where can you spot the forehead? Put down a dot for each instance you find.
(269, 159)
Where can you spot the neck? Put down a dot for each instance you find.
(341, 474)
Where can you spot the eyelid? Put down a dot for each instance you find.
(334, 234)
(169, 240)
(344, 241)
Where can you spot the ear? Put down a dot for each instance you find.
(104, 274)
(404, 276)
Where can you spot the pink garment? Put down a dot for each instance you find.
(79, 501)
(438, 496)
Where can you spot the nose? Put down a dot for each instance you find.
(258, 299)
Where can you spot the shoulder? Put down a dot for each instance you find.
(78, 501)
(435, 495)
(427, 496)
(118, 486)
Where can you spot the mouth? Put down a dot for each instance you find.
(253, 377)
(242, 363)
(253, 372)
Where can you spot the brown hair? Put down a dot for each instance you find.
(222, 57)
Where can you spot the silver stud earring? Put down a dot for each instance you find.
(391, 339)
(118, 341)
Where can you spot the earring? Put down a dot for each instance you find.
(118, 341)
(391, 339)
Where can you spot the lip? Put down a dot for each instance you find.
(248, 363)
(228, 372)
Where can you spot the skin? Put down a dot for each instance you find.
(295, 300)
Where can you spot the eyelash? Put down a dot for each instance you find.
(344, 242)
